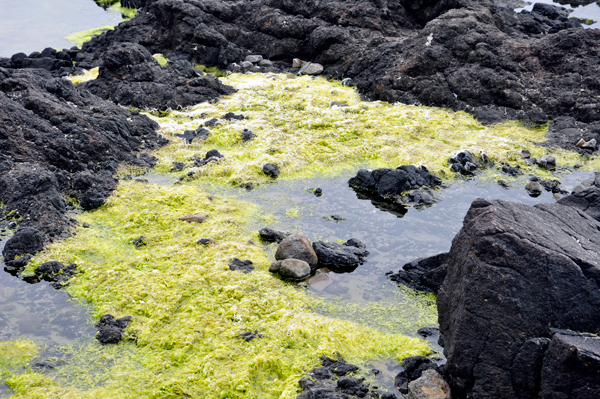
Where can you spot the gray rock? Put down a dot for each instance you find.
(331, 254)
(430, 385)
(247, 135)
(590, 145)
(255, 59)
(587, 199)
(297, 246)
(298, 63)
(275, 266)
(246, 65)
(265, 63)
(534, 189)
(547, 162)
(423, 274)
(311, 69)
(294, 269)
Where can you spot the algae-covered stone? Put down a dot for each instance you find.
(193, 218)
(294, 269)
(297, 246)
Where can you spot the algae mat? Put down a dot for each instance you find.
(188, 308)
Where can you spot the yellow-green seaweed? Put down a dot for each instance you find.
(14, 355)
(189, 308)
(161, 59)
(81, 37)
(298, 130)
(88, 75)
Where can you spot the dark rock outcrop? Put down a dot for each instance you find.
(458, 54)
(111, 330)
(405, 185)
(26, 241)
(349, 255)
(424, 274)
(56, 140)
(514, 273)
(585, 198)
(130, 76)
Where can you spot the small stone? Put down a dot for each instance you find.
(430, 385)
(247, 135)
(503, 184)
(547, 162)
(86, 225)
(140, 242)
(590, 145)
(178, 166)
(534, 189)
(294, 269)
(298, 63)
(271, 170)
(270, 235)
(336, 104)
(525, 154)
(253, 59)
(318, 192)
(275, 266)
(204, 241)
(265, 63)
(311, 69)
(246, 65)
(244, 265)
(580, 143)
(193, 218)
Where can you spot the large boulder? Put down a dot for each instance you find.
(514, 273)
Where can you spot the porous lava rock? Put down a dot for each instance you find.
(407, 184)
(423, 274)
(459, 54)
(130, 76)
(111, 330)
(59, 141)
(268, 234)
(514, 273)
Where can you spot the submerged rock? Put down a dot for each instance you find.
(269, 235)
(510, 260)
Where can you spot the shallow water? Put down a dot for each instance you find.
(32, 25)
(588, 11)
(40, 313)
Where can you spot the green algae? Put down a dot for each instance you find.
(126, 13)
(88, 75)
(81, 37)
(14, 355)
(189, 308)
(298, 130)
(161, 59)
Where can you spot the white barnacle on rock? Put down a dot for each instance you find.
(429, 39)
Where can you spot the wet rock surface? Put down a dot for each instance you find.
(130, 76)
(297, 246)
(348, 255)
(333, 381)
(463, 55)
(510, 260)
(405, 185)
(57, 141)
(424, 274)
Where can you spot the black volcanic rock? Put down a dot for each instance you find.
(424, 274)
(130, 76)
(59, 141)
(514, 273)
(458, 54)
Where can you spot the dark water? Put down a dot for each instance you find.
(32, 25)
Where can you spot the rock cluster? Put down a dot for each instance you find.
(407, 184)
(307, 256)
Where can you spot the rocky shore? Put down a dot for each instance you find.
(517, 293)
